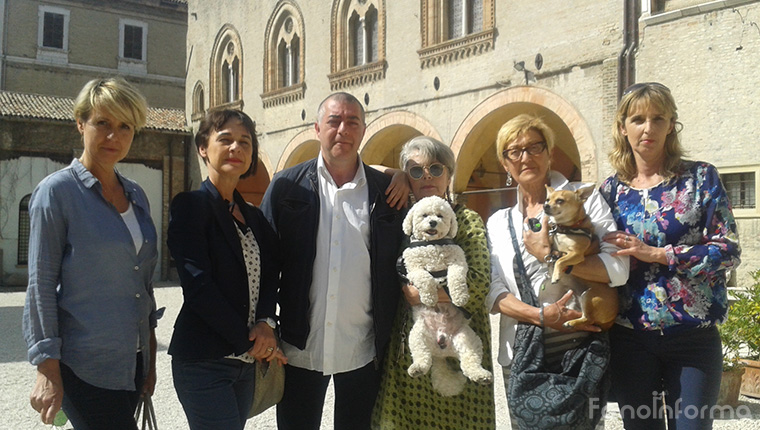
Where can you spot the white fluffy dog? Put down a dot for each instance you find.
(440, 330)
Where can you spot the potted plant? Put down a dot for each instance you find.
(733, 368)
(741, 338)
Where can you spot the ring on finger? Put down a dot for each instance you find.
(270, 349)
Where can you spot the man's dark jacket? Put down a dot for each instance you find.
(291, 204)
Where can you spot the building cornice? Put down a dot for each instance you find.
(93, 69)
(358, 75)
(452, 50)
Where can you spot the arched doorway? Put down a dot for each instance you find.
(386, 134)
(304, 146)
(253, 187)
(480, 179)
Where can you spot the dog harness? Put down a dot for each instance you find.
(439, 275)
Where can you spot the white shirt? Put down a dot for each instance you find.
(502, 255)
(130, 219)
(342, 337)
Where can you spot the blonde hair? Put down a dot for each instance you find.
(646, 95)
(115, 96)
(519, 125)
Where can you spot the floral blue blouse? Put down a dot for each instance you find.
(690, 216)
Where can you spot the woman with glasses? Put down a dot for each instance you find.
(524, 146)
(675, 222)
(412, 403)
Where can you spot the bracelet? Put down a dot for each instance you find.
(541, 317)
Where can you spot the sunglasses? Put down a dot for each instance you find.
(417, 172)
(515, 154)
(641, 85)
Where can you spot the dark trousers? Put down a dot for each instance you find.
(304, 397)
(93, 408)
(685, 365)
(215, 394)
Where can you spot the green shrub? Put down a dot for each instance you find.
(740, 333)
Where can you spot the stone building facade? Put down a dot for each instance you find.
(48, 51)
(53, 47)
(458, 69)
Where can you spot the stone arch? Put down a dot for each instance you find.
(479, 173)
(253, 187)
(477, 133)
(385, 135)
(265, 163)
(303, 146)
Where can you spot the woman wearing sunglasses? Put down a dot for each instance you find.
(407, 403)
(519, 263)
(675, 222)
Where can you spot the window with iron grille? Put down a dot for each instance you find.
(52, 30)
(23, 230)
(133, 42)
(741, 189)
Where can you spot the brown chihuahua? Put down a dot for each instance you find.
(572, 238)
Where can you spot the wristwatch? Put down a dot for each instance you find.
(270, 322)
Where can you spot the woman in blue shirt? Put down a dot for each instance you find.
(90, 315)
(675, 222)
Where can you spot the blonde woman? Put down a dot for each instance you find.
(90, 314)
(676, 224)
(524, 146)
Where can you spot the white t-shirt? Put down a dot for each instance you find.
(130, 219)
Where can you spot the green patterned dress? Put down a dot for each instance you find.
(411, 403)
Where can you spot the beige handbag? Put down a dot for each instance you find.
(268, 388)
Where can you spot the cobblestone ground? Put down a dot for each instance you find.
(17, 377)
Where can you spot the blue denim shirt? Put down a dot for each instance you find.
(90, 295)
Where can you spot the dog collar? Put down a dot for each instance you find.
(417, 243)
(571, 230)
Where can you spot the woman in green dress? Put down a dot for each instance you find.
(412, 403)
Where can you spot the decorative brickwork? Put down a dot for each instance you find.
(284, 52)
(343, 65)
(226, 77)
(437, 46)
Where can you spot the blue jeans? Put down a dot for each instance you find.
(91, 408)
(304, 397)
(686, 365)
(215, 394)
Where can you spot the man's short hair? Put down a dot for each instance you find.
(341, 97)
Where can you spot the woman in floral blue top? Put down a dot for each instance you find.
(675, 221)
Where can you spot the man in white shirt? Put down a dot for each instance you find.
(339, 241)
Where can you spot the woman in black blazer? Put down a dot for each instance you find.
(225, 254)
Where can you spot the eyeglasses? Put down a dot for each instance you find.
(417, 172)
(641, 85)
(514, 154)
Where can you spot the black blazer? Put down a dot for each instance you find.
(213, 321)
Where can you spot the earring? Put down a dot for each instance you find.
(509, 180)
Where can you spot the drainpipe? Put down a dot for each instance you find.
(188, 144)
(626, 58)
(3, 43)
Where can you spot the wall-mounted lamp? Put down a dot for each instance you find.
(529, 76)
